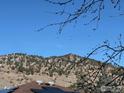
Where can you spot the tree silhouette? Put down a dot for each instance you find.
(86, 8)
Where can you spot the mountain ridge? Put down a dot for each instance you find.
(66, 70)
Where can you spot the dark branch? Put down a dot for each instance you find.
(86, 8)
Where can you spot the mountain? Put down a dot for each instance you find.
(67, 70)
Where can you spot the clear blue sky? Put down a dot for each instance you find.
(20, 18)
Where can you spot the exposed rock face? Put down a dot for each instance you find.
(65, 70)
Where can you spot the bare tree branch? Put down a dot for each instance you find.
(92, 8)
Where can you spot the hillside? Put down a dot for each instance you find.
(67, 70)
